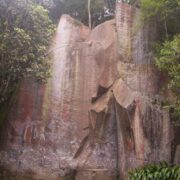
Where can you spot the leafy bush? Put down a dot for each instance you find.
(168, 61)
(25, 33)
(161, 171)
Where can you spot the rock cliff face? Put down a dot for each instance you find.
(100, 114)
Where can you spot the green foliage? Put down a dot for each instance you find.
(79, 9)
(168, 61)
(161, 171)
(25, 33)
(55, 7)
(101, 10)
(152, 8)
(165, 12)
(167, 15)
(162, 8)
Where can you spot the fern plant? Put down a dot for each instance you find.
(161, 171)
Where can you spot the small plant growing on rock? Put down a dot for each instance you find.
(161, 171)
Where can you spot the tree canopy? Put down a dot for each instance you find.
(101, 10)
(25, 33)
(165, 12)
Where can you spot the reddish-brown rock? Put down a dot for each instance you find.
(47, 123)
(100, 114)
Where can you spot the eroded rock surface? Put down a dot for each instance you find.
(100, 114)
(47, 123)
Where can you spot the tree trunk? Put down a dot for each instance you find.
(89, 12)
(166, 30)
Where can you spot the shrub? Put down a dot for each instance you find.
(161, 171)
